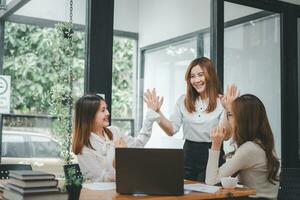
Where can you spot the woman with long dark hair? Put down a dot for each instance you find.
(94, 142)
(255, 159)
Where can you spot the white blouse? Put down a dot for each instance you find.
(197, 125)
(97, 165)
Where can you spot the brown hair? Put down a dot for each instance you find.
(212, 85)
(251, 124)
(85, 110)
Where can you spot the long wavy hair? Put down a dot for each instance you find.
(252, 124)
(212, 85)
(85, 110)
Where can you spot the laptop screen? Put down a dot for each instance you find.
(149, 171)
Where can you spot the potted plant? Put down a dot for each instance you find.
(73, 181)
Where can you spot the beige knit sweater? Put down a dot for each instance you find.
(250, 162)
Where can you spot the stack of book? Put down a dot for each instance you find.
(32, 185)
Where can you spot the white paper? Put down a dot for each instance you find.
(100, 185)
(199, 187)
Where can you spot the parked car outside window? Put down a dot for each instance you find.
(41, 151)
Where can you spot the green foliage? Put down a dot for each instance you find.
(122, 82)
(73, 178)
(39, 61)
(31, 55)
(60, 96)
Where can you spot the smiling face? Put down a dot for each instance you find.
(102, 116)
(197, 79)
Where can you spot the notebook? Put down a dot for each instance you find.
(149, 171)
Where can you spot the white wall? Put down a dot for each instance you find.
(55, 10)
(126, 15)
(154, 20)
(236, 11)
(297, 2)
(162, 20)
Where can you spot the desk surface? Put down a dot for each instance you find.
(87, 194)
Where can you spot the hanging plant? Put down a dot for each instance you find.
(66, 29)
(60, 95)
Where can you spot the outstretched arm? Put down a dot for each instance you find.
(230, 95)
(155, 102)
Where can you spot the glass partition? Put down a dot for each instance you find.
(252, 61)
(164, 70)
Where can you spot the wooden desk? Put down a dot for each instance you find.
(87, 194)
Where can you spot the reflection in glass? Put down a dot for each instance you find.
(252, 61)
(165, 70)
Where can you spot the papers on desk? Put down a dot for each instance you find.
(199, 187)
(100, 185)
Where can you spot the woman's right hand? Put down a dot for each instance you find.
(230, 95)
(120, 143)
(153, 102)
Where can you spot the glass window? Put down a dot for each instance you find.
(30, 58)
(154, 27)
(14, 146)
(44, 147)
(123, 84)
(252, 61)
(165, 70)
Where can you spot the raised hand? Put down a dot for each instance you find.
(120, 143)
(217, 136)
(230, 95)
(153, 101)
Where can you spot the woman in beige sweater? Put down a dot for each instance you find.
(255, 159)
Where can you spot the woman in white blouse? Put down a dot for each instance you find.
(198, 111)
(255, 159)
(94, 142)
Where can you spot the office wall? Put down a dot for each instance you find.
(57, 10)
(297, 2)
(154, 20)
(162, 20)
(125, 17)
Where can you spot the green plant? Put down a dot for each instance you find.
(60, 95)
(32, 58)
(30, 54)
(73, 178)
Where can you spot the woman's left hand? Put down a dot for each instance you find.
(217, 135)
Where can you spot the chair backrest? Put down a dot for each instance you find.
(72, 173)
(4, 169)
(289, 184)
